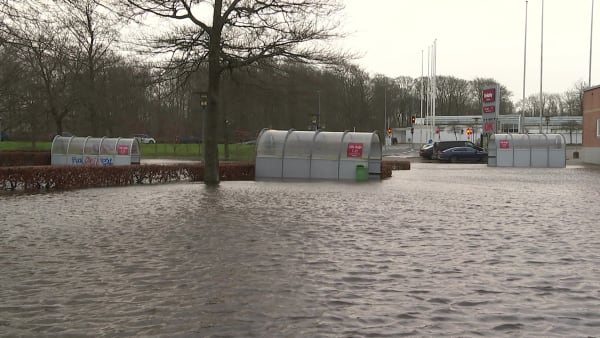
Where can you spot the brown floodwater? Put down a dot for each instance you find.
(439, 250)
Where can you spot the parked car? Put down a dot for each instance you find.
(440, 146)
(463, 154)
(426, 151)
(143, 138)
(187, 139)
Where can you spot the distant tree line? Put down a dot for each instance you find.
(64, 68)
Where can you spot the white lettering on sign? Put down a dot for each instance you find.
(489, 95)
(354, 149)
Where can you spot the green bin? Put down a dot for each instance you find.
(361, 173)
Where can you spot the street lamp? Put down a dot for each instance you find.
(318, 122)
(203, 105)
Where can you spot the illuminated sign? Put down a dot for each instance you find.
(489, 95)
(489, 109)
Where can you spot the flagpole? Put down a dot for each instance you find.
(430, 136)
(542, 69)
(434, 89)
(421, 84)
(521, 117)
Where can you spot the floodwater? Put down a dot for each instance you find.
(440, 250)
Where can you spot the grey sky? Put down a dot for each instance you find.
(478, 38)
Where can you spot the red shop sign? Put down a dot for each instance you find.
(489, 109)
(504, 144)
(122, 149)
(489, 95)
(354, 149)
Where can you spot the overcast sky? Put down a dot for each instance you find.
(479, 38)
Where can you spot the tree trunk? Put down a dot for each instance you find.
(211, 118)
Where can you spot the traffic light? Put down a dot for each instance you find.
(469, 131)
(413, 119)
(389, 131)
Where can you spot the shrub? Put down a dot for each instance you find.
(31, 178)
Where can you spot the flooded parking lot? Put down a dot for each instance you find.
(439, 250)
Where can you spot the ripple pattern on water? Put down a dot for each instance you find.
(452, 250)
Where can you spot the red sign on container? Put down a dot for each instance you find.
(122, 149)
(489, 109)
(504, 144)
(354, 149)
(489, 95)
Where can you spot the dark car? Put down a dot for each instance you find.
(463, 154)
(187, 139)
(440, 146)
(426, 151)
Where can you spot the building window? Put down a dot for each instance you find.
(598, 128)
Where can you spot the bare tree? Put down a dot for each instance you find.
(93, 30)
(42, 47)
(239, 33)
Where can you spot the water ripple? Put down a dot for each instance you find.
(440, 250)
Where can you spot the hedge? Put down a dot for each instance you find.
(31, 171)
(32, 178)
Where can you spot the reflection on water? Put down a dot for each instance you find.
(437, 250)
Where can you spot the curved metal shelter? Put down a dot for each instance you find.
(527, 150)
(316, 154)
(94, 151)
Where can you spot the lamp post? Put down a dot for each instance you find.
(319, 110)
(203, 105)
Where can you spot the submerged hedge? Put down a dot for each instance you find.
(30, 171)
(32, 178)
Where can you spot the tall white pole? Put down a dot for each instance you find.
(542, 69)
(429, 92)
(521, 118)
(385, 115)
(421, 84)
(434, 93)
(591, 34)
(421, 129)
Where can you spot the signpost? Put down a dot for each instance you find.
(490, 97)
